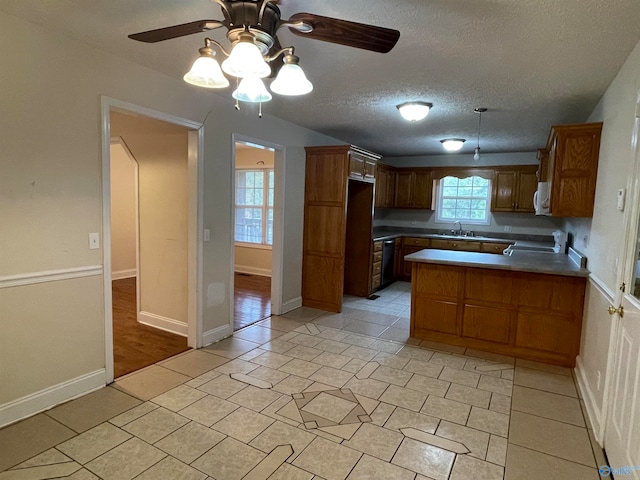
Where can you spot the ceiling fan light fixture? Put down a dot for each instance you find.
(291, 79)
(252, 90)
(414, 111)
(452, 144)
(205, 71)
(245, 59)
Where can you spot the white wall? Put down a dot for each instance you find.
(603, 233)
(51, 199)
(124, 218)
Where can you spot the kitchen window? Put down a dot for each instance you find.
(254, 206)
(465, 200)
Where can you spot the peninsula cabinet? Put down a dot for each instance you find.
(572, 169)
(528, 315)
(413, 188)
(513, 189)
(338, 224)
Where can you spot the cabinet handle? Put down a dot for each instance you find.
(454, 244)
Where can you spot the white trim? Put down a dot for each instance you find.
(31, 278)
(291, 305)
(593, 412)
(120, 274)
(604, 290)
(163, 323)
(196, 201)
(263, 272)
(257, 246)
(216, 334)
(50, 397)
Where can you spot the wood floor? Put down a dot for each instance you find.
(136, 346)
(252, 299)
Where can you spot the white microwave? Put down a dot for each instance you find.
(541, 199)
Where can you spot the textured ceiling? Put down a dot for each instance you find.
(532, 63)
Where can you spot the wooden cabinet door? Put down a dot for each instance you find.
(422, 190)
(356, 166)
(369, 170)
(397, 260)
(504, 191)
(527, 186)
(403, 195)
(382, 186)
(389, 198)
(406, 266)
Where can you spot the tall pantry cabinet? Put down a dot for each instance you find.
(336, 255)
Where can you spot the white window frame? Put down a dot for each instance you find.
(265, 207)
(440, 198)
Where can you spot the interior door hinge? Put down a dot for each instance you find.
(623, 287)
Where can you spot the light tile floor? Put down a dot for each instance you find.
(311, 395)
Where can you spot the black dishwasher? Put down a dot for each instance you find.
(388, 254)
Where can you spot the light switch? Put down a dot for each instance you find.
(94, 241)
(207, 234)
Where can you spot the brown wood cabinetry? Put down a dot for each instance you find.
(411, 245)
(513, 189)
(376, 267)
(493, 247)
(462, 245)
(385, 186)
(337, 226)
(543, 164)
(573, 167)
(361, 165)
(527, 315)
(397, 260)
(413, 188)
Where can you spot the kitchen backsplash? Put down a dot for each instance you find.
(515, 223)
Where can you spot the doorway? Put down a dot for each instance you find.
(255, 231)
(150, 169)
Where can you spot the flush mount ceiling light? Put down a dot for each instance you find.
(414, 111)
(452, 144)
(479, 111)
(256, 52)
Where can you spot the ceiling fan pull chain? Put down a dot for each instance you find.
(260, 111)
(237, 105)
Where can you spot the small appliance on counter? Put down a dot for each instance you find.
(560, 239)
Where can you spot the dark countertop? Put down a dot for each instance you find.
(389, 233)
(519, 261)
(462, 238)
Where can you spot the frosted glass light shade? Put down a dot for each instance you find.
(252, 90)
(291, 81)
(205, 72)
(245, 61)
(452, 144)
(414, 111)
(476, 154)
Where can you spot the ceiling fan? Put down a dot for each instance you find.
(256, 22)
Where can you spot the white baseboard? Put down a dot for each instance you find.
(291, 305)
(50, 397)
(163, 323)
(216, 334)
(593, 412)
(120, 274)
(263, 272)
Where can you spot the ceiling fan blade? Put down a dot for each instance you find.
(343, 32)
(166, 33)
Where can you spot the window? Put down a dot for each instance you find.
(463, 199)
(254, 206)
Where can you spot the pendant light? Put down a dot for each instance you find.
(479, 111)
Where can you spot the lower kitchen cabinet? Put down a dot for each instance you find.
(527, 315)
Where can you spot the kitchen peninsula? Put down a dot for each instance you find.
(527, 305)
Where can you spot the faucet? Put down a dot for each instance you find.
(457, 231)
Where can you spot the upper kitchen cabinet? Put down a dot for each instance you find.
(413, 188)
(513, 189)
(337, 225)
(573, 167)
(362, 164)
(385, 186)
(543, 164)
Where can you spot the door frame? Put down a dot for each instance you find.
(195, 220)
(277, 248)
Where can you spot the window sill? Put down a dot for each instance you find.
(257, 246)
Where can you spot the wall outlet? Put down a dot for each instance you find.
(598, 380)
(207, 234)
(507, 228)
